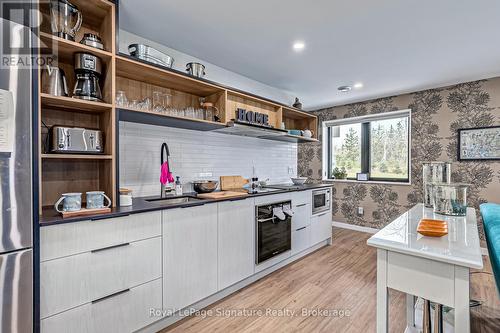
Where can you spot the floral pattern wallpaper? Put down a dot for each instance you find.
(436, 116)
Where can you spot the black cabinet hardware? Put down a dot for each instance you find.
(97, 218)
(109, 296)
(109, 247)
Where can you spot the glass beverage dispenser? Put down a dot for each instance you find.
(434, 172)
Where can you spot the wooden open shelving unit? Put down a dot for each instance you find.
(60, 173)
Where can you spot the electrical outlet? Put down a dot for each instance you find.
(361, 211)
(290, 170)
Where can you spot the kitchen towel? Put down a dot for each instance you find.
(165, 174)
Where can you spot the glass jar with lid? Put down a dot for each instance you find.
(450, 198)
(434, 172)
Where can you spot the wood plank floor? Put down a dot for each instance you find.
(341, 277)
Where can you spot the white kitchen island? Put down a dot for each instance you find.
(435, 268)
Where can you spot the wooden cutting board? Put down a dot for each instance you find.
(232, 182)
(222, 195)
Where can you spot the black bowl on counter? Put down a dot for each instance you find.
(205, 186)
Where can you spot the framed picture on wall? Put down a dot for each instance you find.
(481, 143)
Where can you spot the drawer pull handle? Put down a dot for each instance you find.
(109, 296)
(109, 247)
(322, 214)
(301, 205)
(97, 218)
(300, 229)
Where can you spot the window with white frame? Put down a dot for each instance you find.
(377, 145)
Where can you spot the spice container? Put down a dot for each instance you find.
(434, 172)
(450, 199)
(125, 197)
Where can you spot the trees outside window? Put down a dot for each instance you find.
(378, 145)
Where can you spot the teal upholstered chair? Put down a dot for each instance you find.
(491, 221)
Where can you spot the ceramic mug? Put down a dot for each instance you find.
(71, 202)
(95, 199)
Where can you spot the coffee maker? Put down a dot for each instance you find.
(88, 71)
(65, 19)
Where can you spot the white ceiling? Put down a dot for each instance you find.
(392, 46)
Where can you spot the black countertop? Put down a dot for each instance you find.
(139, 205)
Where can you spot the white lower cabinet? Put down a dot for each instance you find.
(236, 241)
(301, 239)
(189, 255)
(124, 312)
(72, 281)
(321, 227)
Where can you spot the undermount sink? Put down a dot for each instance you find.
(173, 201)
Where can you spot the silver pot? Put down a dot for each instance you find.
(195, 69)
(205, 186)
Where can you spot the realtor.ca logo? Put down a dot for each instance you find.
(21, 47)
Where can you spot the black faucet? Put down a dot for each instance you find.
(164, 149)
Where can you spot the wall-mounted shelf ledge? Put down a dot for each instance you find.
(292, 138)
(151, 118)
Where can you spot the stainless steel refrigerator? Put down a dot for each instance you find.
(16, 226)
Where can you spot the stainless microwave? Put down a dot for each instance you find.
(321, 200)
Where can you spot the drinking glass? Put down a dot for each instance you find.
(121, 99)
(158, 101)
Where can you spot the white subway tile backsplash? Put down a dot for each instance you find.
(195, 152)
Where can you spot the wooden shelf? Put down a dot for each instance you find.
(252, 98)
(73, 104)
(76, 157)
(66, 49)
(154, 118)
(296, 119)
(296, 114)
(154, 75)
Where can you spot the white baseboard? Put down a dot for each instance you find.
(355, 227)
(342, 225)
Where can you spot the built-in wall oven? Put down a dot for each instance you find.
(274, 230)
(321, 200)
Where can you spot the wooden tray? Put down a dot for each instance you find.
(84, 211)
(222, 195)
(432, 228)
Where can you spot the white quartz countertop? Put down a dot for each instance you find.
(460, 247)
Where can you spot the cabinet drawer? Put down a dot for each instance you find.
(301, 216)
(321, 227)
(301, 239)
(124, 312)
(71, 238)
(301, 198)
(72, 281)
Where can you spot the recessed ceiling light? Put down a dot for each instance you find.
(299, 46)
(358, 85)
(344, 88)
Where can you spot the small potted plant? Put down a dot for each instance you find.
(339, 173)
